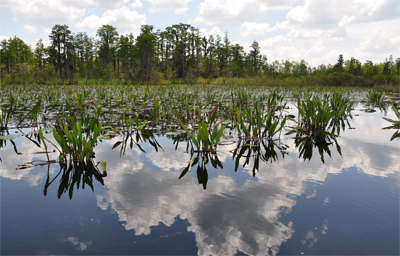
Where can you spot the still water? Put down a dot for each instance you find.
(148, 202)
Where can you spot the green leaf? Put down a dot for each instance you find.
(195, 142)
(395, 135)
(184, 171)
(184, 127)
(116, 144)
(57, 137)
(323, 133)
(391, 120)
(140, 127)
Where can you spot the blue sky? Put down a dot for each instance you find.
(314, 30)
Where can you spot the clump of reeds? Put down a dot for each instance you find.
(318, 115)
(74, 144)
(376, 97)
(208, 135)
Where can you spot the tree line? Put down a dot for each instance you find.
(177, 54)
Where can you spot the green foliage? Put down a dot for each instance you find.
(7, 114)
(316, 115)
(179, 54)
(254, 116)
(76, 144)
(256, 124)
(208, 136)
(395, 124)
(145, 51)
(376, 97)
(60, 50)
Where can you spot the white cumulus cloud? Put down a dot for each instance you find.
(324, 14)
(319, 30)
(3, 38)
(43, 12)
(235, 12)
(123, 19)
(95, 4)
(254, 29)
(215, 31)
(136, 4)
(379, 39)
(180, 6)
(30, 29)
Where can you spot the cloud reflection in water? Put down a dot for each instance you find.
(227, 217)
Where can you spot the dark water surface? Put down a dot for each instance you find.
(347, 205)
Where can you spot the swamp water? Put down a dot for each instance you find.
(154, 197)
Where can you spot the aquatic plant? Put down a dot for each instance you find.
(208, 136)
(376, 97)
(259, 125)
(317, 115)
(7, 114)
(74, 144)
(395, 124)
(128, 107)
(33, 113)
(341, 107)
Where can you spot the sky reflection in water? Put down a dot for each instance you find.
(290, 206)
